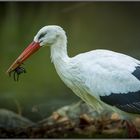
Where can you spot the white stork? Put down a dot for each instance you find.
(99, 77)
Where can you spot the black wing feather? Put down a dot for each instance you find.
(136, 73)
(128, 102)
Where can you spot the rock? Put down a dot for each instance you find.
(85, 119)
(9, 119)
(115, 116)
(77, 109)
(55, 116)
(78, 112)
(72, 121)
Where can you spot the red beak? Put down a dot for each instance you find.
(31, 49)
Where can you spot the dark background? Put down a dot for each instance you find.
(89, 25)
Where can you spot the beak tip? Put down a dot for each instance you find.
(9, 71)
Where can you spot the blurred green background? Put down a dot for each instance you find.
(89, 25)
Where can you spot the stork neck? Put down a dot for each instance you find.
(59, 53)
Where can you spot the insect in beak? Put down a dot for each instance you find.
(16, 72)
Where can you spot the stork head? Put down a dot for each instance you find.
(49, 35)
(46, 36)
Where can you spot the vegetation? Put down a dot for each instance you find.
(77, 120)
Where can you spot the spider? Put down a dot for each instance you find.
(17, 72)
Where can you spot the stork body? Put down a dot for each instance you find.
(99, 77)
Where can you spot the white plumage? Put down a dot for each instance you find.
(99, 77)
(96, 75)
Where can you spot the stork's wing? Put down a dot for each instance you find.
(129, 102)
(115, 79)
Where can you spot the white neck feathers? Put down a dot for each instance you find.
(59, 54)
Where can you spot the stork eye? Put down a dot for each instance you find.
(41, 35)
